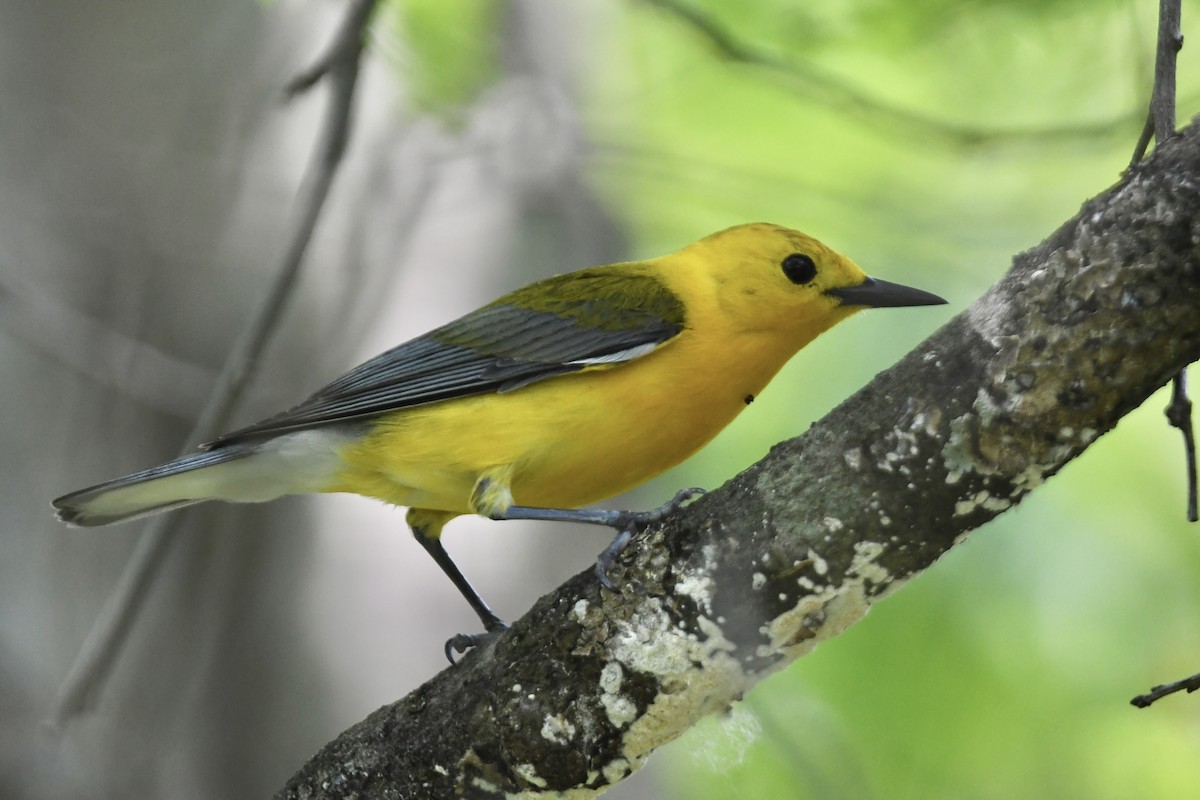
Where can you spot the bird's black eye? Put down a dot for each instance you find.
(799, 268)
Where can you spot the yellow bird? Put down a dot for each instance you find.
(560, 394)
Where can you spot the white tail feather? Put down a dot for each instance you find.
(293, 463)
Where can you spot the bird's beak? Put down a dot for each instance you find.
(875, 293)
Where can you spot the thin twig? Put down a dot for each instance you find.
(1170, 41)
(104, 641)
(1143, 142)
(1158, 692)
(1179, 415)
(1162, 112)
(1160, 118)
(1161, 122)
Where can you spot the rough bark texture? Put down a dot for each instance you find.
(1080, 331)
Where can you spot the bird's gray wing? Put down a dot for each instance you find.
(553, 327)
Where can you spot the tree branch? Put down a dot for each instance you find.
(1157, 693)
(581, 690)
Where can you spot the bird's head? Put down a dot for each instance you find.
(773, 278)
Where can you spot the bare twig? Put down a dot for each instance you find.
(1160, 118)
(1158, 692)
(1162, 113)
(1143, 142)
(1179, 415)
(1170, 41)
(1160, 122)
(340, 65)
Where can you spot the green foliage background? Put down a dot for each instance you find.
(930, 141)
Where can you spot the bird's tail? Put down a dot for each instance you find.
(241, 472)
(191, 479)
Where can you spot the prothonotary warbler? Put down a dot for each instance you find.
(560, 394)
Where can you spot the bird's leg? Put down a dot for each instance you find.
(627, 523)
(427, 531)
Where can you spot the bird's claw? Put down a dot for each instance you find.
(635, 522)
(462, 642)
(609, 555)
(676, 502)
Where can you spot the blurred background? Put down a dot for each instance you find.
(148, 172)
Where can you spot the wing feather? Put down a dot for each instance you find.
(547, 329)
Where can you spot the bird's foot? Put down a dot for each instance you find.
(630, 522)
(606, 559)
(462, 642)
